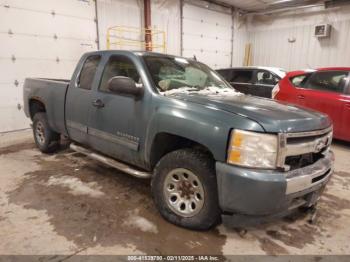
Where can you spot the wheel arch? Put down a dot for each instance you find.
(164, 143)
(35, 106)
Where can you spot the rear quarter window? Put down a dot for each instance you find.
(88, 72)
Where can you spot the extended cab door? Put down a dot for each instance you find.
(79, 97)
(116, 121)
(264, 83)
(324, 91)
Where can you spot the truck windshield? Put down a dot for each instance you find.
(179, 75)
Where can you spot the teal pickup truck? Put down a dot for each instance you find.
(211, 152)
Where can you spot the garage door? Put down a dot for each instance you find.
(207, 33)
(41, 38)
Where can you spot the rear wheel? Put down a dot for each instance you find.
(45, 138)
(184, 189)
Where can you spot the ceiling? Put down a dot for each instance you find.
(259, 5)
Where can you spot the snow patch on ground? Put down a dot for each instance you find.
(76, 186)
(137, 221)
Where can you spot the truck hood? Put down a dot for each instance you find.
(272, 115)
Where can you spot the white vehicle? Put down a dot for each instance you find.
(257, 81)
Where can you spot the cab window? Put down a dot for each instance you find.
(88, 72)
(118, 66)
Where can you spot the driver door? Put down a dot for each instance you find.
(116, 120)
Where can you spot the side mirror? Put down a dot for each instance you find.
(124, 86)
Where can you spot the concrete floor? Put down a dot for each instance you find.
(68, 204)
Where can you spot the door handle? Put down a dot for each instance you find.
(98, 103)
(301, 97)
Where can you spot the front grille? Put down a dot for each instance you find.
(298, 140)
(300, 161)
(298, 150)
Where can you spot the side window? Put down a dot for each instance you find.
(300, 80)
(243, 76)
(118, 66)
(266, 78)
(225, 74)
(330, 81)
(88, 71)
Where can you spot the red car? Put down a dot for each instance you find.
(326, 90)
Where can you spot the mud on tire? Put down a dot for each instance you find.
(188, 200)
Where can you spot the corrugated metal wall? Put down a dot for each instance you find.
(287, 40)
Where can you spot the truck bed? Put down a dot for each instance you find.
(52, 93)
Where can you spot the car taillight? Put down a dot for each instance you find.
(275, 91)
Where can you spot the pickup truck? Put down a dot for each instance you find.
(211, 153)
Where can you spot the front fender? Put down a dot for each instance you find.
(204, 125)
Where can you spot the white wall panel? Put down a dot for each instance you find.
(207, 34)
(240, 39)
(119, 13)
(270, 46)
(46, 38)
(166, 16)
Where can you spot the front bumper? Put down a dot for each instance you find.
(257, 192)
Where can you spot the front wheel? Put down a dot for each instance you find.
(184, 189)
(45, 138)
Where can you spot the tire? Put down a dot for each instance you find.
(196, 204)
(45, 138)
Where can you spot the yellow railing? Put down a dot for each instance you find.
(125, 37)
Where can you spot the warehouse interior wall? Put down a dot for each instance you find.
(240, 39)
(207, 32)
(41, 38)
(286, 40)
(166, 16)
(129, 13)
(45, 38)
(125, 13)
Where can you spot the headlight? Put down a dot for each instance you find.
(252, 149)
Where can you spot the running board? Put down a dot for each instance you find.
(111, 162)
